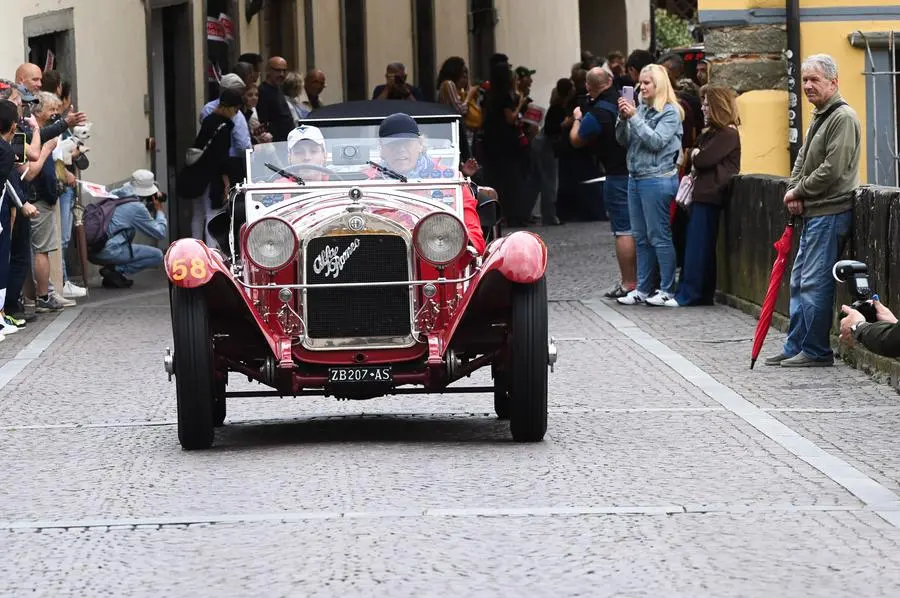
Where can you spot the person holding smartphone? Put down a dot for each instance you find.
(652, 134)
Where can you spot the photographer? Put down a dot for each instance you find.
(395, 86)
(881, 337)
(139, 209)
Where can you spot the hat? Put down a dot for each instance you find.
(231, 81)
(305, 133)
(524, 71)
(144, 183)
(398, 125)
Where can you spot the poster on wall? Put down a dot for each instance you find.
(220, 37)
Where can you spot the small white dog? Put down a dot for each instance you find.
(80, 135)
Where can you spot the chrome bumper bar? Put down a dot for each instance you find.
(350, 285)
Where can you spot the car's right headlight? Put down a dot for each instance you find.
(440, 238)
(271, 243)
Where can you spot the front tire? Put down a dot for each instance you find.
(528, 361)
(194, 375)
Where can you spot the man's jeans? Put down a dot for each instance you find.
(66, 203)
(812, 285)
(648, 206)
(128, 262)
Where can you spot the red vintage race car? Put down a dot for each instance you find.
(347, 270)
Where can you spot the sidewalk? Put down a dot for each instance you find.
(841, 409)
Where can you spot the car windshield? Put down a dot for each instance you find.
(332, 151)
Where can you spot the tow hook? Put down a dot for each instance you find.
(169, 363)
(552, 353)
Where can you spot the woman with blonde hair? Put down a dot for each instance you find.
(652, 134)
(716, 160)
(292, 88)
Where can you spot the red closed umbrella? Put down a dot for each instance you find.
(782, 249)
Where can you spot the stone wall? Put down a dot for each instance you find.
(755, 218)
(747, 58)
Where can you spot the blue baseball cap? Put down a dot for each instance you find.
(398, 126)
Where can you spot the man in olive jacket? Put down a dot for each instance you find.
(823, 184)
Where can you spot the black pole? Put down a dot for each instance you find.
(652, 48)
(795, 81)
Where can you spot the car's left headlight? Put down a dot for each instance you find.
(271, 243)
(440, 238)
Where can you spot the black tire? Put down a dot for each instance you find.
(528, 361)
(220, 409)
(194, 376)
(502, 402)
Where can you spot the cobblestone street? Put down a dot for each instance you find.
(669, 468)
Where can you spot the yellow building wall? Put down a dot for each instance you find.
(389, 38)
(328, 46)
(764, 131)
(103, 28)
(451, 30)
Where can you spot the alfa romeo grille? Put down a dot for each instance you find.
(359, 311)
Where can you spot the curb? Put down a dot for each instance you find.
(885, 370)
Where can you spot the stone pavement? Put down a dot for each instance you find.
(669, 468)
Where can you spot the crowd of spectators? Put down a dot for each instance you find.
(41, 156)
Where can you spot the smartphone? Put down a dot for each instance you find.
(18, 145)
(628, 93)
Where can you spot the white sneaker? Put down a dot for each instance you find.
(71, 291)
(634, 297)
(63, 301)
(7, 328)
(661, 299)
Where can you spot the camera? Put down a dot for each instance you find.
(856, 275)
(148, 201)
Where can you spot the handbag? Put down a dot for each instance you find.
(193, 154)
(685, 194)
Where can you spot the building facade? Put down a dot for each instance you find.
(747, 42)
(142, 69)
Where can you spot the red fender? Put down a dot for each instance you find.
(189, 263)
(520, 258)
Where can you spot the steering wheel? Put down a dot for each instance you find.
(292, 168)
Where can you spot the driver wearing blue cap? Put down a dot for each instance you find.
(404, 152)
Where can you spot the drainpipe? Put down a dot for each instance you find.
(795, 81)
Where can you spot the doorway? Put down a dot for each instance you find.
(173, 113)
(604, 26)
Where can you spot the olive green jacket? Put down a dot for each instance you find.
(826, 172)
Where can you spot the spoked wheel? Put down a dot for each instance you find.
(502, 402)
(529, 349)
(194, 375)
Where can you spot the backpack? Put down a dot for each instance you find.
(97, 217)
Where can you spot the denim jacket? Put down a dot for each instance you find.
(653, 140)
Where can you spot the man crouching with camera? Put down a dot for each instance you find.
(881, 337)
(111, 225)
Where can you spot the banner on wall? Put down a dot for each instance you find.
(227, 27)
(215, 31)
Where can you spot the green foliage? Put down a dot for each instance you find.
(671, 31)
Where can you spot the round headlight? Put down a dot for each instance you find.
(271, 243)
(440, 238)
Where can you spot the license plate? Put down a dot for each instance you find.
(360, 375)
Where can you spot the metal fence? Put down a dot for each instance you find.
(881, 105)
